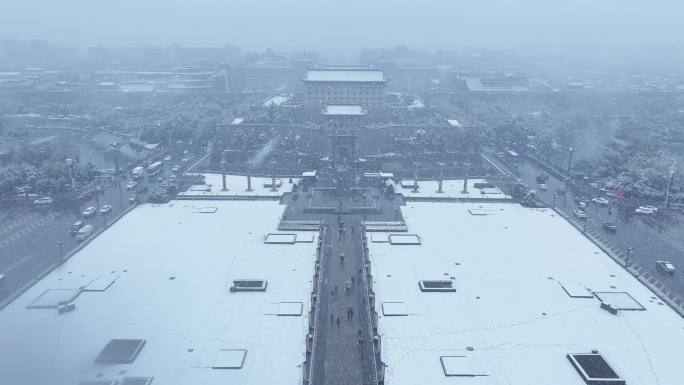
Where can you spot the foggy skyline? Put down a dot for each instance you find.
(607, 32)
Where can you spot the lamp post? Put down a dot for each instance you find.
(70, 165)
(223, 175)
(554, 201)
(572, 151)
(669, 185)
(60, 244)
(273, 178)
(441, 177)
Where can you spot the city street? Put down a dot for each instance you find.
(653, 237)
(30, 238)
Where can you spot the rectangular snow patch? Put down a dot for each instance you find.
(458, 366)
(407, 184)
(481, 212)
(394, 309)
(102, 283)
(200, 188)
(594, 369)
(290, 309)
(286, 239)
(436, 286)
(206, 210)
(137, 380)
(52, 298)
(305, 238)
(379, 238)
(575, 290)
(619, 300)
(120, 351)
(230, 359)
(248, 285)
(404, 239)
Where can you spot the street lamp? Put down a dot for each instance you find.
(441, 177)
(572, 151)
(223, 175)
(60, 244)
(629, 252)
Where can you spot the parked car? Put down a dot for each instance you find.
(84, 232)
(44, 201)
(580, 199)
(580, 214)
(175, 168)
(543, 187)
(167, 158)
(131, 185)
(89, 212)
(601, 201)
(105, 209)
(87, 195)
(652, 208)
(665, 267)
(75, 227)
(610, 227)
(644, 210)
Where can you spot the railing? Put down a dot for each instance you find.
(312, 336)
(370, 310)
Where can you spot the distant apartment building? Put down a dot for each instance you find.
(345, 86)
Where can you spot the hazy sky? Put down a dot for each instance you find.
(588, 27)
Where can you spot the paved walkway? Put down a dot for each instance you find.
(340, 359)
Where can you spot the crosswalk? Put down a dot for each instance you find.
(23, 226)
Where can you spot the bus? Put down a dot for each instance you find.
(137, 172)
(155, 168)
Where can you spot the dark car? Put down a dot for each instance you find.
(610, 227)
(75, 227)
(86, 195)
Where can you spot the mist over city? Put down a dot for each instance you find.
(341, 192)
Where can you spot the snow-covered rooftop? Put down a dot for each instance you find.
(237, 186)
(344, 110)
(162, 274)
(342, 75)
(512, 319)
(452, 188)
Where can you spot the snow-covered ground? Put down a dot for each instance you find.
(452, 188)
(237, 186)
(510, 315)
(170, 268)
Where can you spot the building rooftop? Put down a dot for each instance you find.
(339, 110)
(237, 186)
(154, 289)
(345, 75)
(451, 188)
(527, 288)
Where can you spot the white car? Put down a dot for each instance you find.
(666, 267)
(644, 210)
(44, 201)
(89, 212)
(580, 214)
(652, 208)
(543, 187)
(601, 201)
(104, 209)
(167, 158)
(131, 185)
(175, 168)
